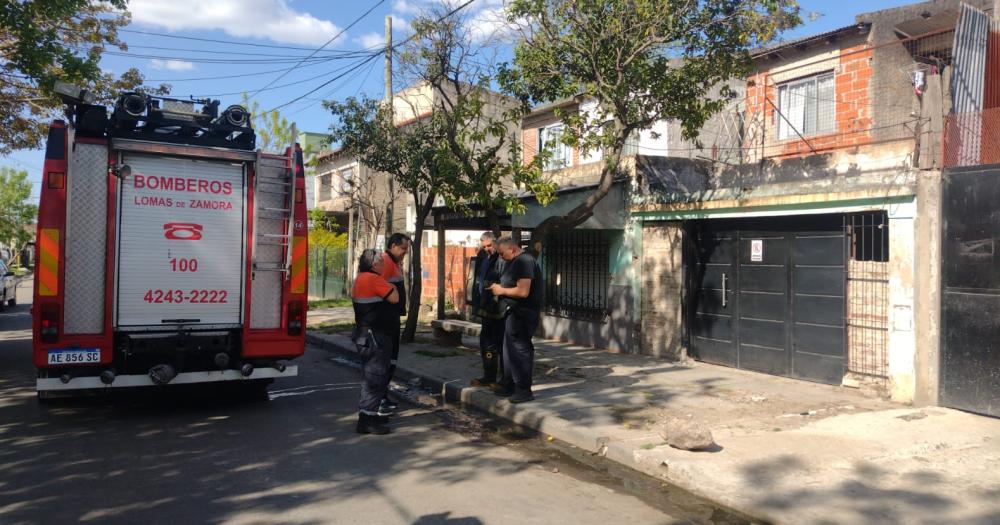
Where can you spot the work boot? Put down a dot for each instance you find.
(385, 408)
(482, 381)
(503, 391)
(368, 424)
(522, 396)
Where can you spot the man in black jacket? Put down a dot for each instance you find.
(520, 283)
(488, 266)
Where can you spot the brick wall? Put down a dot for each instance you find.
(529, 144)
(456, 264)
(662, 290)
(853, 109)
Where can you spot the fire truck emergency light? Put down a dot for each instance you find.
(134, 104)
(236, 116)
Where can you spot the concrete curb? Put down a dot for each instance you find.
(456, 391)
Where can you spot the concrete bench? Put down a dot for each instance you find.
(450, 331)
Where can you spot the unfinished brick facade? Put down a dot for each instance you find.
(852, 74)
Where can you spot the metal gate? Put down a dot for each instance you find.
(970, 300)
(769, 295)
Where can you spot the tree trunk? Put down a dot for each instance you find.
(582, 211)
(494, 219)
(416, 268)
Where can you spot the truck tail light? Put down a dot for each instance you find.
(50, 314)
(295, 317)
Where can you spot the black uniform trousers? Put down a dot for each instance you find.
(394, 353)
(518, 351)
(491, 348)
(375, 350)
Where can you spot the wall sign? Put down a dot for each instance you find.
(756, 250)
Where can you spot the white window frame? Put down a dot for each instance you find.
(344, 177)
(562, 154)
(807, 108)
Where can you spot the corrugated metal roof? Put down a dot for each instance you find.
(806, 40)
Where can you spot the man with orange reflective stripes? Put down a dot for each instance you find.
(375, 316)
(396, 249)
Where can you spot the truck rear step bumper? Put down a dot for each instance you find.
(183, 378)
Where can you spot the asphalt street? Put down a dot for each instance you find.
(208, 456)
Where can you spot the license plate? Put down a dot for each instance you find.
(73, 356)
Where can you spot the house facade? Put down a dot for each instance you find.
(591, 274)
(799, 237)
(809, 252)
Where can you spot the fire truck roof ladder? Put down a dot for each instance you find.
(283, 185)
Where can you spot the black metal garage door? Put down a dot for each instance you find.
(970, 302)
(768, 295)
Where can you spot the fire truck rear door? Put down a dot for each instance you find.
(181, 248)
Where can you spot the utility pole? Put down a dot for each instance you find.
(388, 104)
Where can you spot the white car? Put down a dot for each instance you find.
(7, 286)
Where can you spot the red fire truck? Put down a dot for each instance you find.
(169, 250)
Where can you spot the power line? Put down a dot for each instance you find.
(336, 36)
(327, 83)
(217, 41)
(202, 60)
(405, 41)
(332, 54)
(297, 82)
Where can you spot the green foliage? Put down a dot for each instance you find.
(45, 41)
(479, 128)
(321, 238)
(274, 132)
(16, 214)
(319, 218)
(641, 61)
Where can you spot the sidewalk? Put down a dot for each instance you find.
(789, 451)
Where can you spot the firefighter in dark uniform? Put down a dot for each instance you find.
(488, 267)
(374, 314)
(396, 249)
(520, 284)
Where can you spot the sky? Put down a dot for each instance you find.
(272, 41)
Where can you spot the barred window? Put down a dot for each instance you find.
(807, 107)
(550, 138)
(577, 274)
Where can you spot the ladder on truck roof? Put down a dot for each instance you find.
(274, 212)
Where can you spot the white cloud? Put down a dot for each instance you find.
(172, 65)
(270, 19)
(370, 40)
(486, 19)
(404, 7)
(490, 23)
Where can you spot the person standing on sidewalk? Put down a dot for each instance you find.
(396, 249)
(374, 300)
(520, 282)
(488, 268)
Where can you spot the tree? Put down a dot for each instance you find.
(16, 214)
(480, 128)
(641, 61)
(274, 132)
(464, 150)
(412, 155)
(45, 41)
(322, 232)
